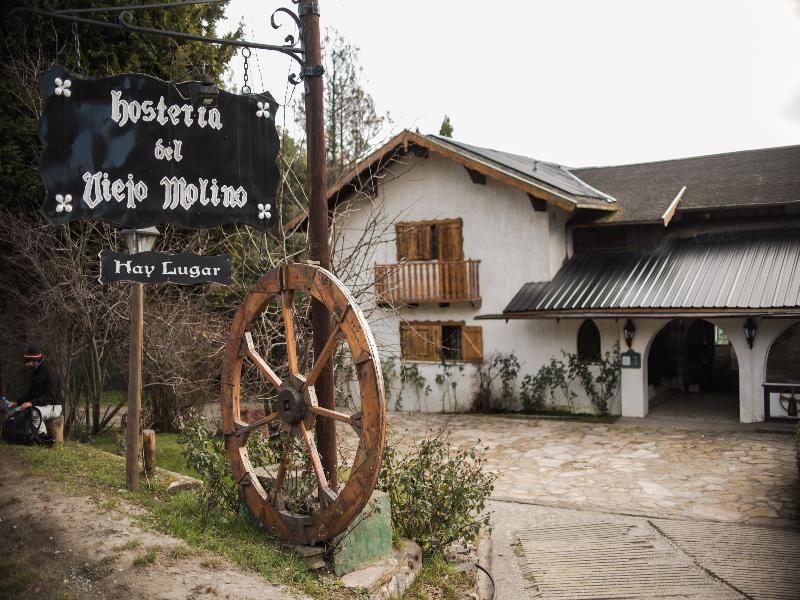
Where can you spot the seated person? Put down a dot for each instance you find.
(44, 390)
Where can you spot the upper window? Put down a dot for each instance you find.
(783, 362)
(430, 240)
(589, 341)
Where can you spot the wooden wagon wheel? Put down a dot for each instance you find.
(297, 407)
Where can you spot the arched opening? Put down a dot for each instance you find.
(692, 371)
(783, 374)
(589, 341)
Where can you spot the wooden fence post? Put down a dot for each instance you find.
(149, 445)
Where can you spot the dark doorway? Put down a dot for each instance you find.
(692, 371)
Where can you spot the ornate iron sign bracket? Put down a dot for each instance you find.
(293, 45)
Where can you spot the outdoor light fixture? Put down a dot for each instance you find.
(628, 331)
(204, 93)
(749, 332)
(140, 240)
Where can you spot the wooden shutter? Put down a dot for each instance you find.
(401, 231)
(413, 241)
(425, 251)
(420, 341)
(472, 343)
(451, 241)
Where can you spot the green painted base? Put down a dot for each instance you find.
(368, 539)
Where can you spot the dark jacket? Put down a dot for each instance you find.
(45, 387)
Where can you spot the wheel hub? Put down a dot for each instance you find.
(291, 406)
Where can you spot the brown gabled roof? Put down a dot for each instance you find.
(765, 177)
(548, 181)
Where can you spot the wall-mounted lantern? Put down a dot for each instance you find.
(628, 332)
(749, 331)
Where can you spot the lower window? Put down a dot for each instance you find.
(437, 340)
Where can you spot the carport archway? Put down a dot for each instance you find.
(693, 372)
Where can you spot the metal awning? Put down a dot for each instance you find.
(741, 273)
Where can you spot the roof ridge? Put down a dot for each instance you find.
(669, 160)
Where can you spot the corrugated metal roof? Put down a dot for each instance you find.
(535, 170)
(730, 270)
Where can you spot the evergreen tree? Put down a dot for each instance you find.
(351, 122)
(446, 129)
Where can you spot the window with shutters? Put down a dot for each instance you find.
(436, 341)
(430, 240)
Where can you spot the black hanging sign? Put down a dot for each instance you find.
(159, 267)
(136, 151)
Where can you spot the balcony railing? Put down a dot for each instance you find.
(428, 282)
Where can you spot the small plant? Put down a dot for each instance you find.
(410, 375)
(149, 557)
(438, 491)
(602, 389)
(444, 379)
(509, 366)
(504, 366)
(206, 455)
(558, 375)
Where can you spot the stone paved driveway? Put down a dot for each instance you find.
(630, 467)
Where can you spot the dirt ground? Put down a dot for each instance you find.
(68, 546)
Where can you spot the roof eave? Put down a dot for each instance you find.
(547, 193)
(643, 313)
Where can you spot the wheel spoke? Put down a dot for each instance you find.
(325, 355)
(287, 296)
(257, 423)
(250, 351)
(326, 494)
(332, 414)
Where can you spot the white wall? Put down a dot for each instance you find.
(514, 243)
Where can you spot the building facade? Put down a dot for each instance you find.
(695, 262)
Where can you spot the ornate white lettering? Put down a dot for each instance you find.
(100, 188)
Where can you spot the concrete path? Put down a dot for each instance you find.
(668, 486)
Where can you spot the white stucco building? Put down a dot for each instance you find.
(476, 251)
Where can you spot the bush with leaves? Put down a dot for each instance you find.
(205, 453)
(502, 365)
(438, 491)
(600, 381)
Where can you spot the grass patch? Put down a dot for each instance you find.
(113, 397)
(131, 545)
(149, 557)
(168, 452)
(84, 468)
(439, 580)
(182, 551)
(14, 581)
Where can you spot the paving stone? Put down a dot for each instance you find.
(629, 466)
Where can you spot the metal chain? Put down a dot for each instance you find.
(246, 52)
(77, 43)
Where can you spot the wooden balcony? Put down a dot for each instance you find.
(428, 282)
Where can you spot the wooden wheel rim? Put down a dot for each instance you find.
(333, 518)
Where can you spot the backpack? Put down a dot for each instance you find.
(22, 427)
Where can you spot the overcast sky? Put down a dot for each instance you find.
(579, 82)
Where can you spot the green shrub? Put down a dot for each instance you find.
(558, 375)
(205, 454)
(438, 491)
(502, 365)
